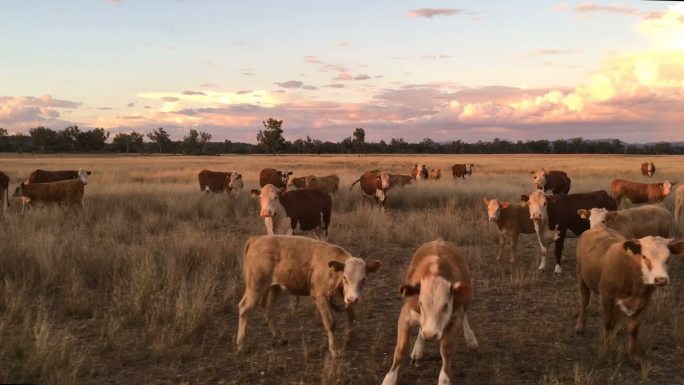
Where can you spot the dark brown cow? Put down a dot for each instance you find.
(640, 192)
(44, 176)
(375, 184)
(462, 170)
(310, 209)
(648, 169)
(274, 177)
(214, 181)
(67, 192)
(556, 181)
(4, 185)
(559, 212)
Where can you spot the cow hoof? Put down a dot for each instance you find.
(579, 330)
(558, 270)
(335, 353)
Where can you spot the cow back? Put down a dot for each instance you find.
(562, 209)
(44, 176)
(271, 176)
(307, 207)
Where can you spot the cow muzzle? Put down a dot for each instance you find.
(429, 335)
(536, 216)
(350, 300)
(266, 213)
(492, 219)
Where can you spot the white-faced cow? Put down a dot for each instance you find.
(214, 181)
(648, 169)
(375, 184)
(624, 273)
(435, 174)
(460, 170)
(554, 180)
(303, 267)
(640, 192)
(420, 172)
(284, 211)
(438, 292)
(235, 183)
(635, 222)
(274, 177)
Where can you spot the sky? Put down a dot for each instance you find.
(442, 69)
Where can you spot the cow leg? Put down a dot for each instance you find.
(401, 350)
(446, 350)
(584, 297)
(610, 316)
(351, 316)
(328, 322)
(247, 303)
(470, 339)
(418, 348)
(632, 334)
(267, 304)
(558, 250)
(514, 247)
(502, 244)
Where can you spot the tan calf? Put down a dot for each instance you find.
(303, 267)
(624, 273)
(640, 192)
(438, 292)
(328, 183)
(435, 174)
(635, 222)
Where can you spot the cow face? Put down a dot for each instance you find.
(667, 187)
(537, 203)
(83, 175)
(354, 271)
(254, 193)
(653, 254)
(285, 176)
(235, 181)
(650, 168)
(469, 169)
(540, 178)
(597, 216)
(385, 183)
(494, 208)
(269, 200)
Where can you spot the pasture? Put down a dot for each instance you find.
(142, 285)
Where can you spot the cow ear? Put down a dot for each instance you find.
(584, 214)
(676, 248)
(409, 290)
(460, 289)
(660, 185)
(290, 172)
(372, 267)
(632, 247)
(504, 205)
(336, 265)
(532, 173)
(524, 198)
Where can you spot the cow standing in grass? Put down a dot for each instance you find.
(375, 184)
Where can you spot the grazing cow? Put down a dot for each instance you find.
(462, 170)
(624, 274)
(283, 211)
(556, 181)
(214, 181)
(648, 169)
(329, 183)
(438, 292)
(679, 209)
(513, 220)
(635, 222)
(274, 177)
(44, 176)
(559, 212)
(640, 192)
(4, 192)
(296, 182)
(420, 173)
(302, 267)
(401, 180)
(435, 174)
(67, 192)
(375, 183)
(235, 182)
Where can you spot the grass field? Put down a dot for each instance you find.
(142, 285)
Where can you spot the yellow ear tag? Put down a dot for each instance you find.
(630, 252)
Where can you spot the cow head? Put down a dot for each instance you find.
(19, 191)
(354, 271)
(254, 193)
(538, 203)
(597, 216)
(494, 208)
(436, 173)
(285, 176)
(83, 175)
(269, 200)
(469, 168)
(540, 178)
(385, 184)
(650, 168)
(436, 301)
(652, 254)
(667, 187)
(235, 181)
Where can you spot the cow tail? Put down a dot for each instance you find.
(352, 186)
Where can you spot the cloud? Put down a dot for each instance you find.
(589, 9)
(334, 85)
(547, 52)
(341, 44)
(312, 60)
(242, 92)
(193, 93)
(361, 77)
(114, 1)
(130, 105)
(209, 85)
(433, 12)
(22, 112)
(169, 99)
(248, 73)
(104, 108)
(291, 84)
(131, 117)
(437, 57)
(308, 87)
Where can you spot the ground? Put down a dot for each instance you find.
(142, 285)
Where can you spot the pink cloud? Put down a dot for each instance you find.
(433, 12)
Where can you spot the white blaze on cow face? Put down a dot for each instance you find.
(436, 303)
(354, 271)
(596, 216)
(667, 187)
(83, 176)
(494, 208)
(538, 206)
(235, 182)
(269, 200)
(540, 178)
(649, 169)
(653, 254)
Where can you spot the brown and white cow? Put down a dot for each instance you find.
(283, 211)
(679, 209)
(513, 220)
(624, 274)
(420, 172)
(438, 292)
(375, 183)
(296, 181)
(44, 176)
(214, 181)
(235, 183)
(640, 192)
(67, 192)
(4, 193)
(329, 183)
(435, 174)
(554, 180)
(401, 180)
(635, 222)
(274, 177)
(648, 169)
(559, 212)
(462, 170)
(303, 267)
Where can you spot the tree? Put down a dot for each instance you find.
(42, 137)
(132, 142)
(91, 140)
(161, 138)
(271, 138)
(204, 138)
(359, 139)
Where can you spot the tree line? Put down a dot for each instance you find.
(271, 141)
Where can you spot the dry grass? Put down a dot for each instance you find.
(142, 285)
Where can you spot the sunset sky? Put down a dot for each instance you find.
(443, 70)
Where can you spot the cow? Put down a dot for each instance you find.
(420, 172)
(462, 170)
(624, 273)
(513, 220)
(4, 193)
(640, 192)
(274, 177)
(44, 176)
(296, 182)
(235, 182)
(435, 174)
(283, 211)
(559, 212)
(437, 291)
(329, 183)
(554, 180)
(679, 209)
(400, 180)
(635, 222)
(303, 267)
(254, 193)
(375, 184)
(648, 169)
(214, 181)
(66, 192)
